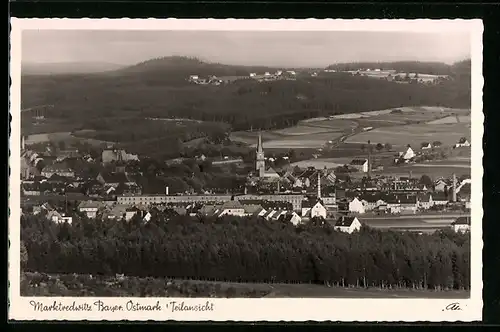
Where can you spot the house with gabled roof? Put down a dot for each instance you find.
(461, 224)
(347, 224)
(462, 142)
(426, 146)
(232, 208)
(313, 209)
(356, 206)
(254, 210)
(90, 208)
(131, 212)
(290, 217)
(408, 204)
(360, 164)
(425, 201)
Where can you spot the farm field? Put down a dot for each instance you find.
(433, 172)
(61, 136)
(414, 134)
(389, 126)
(307, 134)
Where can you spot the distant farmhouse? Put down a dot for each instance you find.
(462, 142)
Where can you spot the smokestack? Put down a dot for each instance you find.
(369, 160)
(166, 191)
(278, 185)
(22, 143)
(319, 185)
(454, 193)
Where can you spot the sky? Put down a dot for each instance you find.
(269, 48)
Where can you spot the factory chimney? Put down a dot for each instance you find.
(369, 160)
(454, 188)
(22, 143)
(319, 185)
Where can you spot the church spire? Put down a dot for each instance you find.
(259, 143)
(260, 163)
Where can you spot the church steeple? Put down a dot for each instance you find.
(260, 163)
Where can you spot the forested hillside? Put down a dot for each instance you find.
(159, 88)
(246, 249)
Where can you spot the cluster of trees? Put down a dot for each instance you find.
(42, 284)
(247, 250)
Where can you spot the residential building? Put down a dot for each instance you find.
(408, 204)
(254, 209)
(90, 208)
(360, 164)
(440, 185)
(114, 155)
(232, 208)
(440, 199)
(406, 155)
(347, 224)
(463, 142)
(461, 224)
(59, 169)
(426, 146)
(313, 209)
(356, 206)
(291, 217)
(131, 212)
(113, 179)
(425, 201)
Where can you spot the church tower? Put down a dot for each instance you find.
(260, 163)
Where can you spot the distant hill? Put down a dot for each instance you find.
(179, 68)
(159, 88)
(433, 68)
(67, 68)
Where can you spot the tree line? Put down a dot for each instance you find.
(247, 250)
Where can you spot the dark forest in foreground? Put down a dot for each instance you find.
(247, 250)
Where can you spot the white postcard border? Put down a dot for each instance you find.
(289, 309)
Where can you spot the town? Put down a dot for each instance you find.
(64, 183)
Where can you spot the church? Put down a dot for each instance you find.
(260, 163)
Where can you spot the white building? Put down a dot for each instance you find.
(426, 146)
(408, 154)
(360, 164)
(461, 225)
(463, 142)
(291, 217)
(90, 208)
(356, 206)
(347, 224)
(311, 209)
(130, 213)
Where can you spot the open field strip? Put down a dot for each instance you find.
(413, 134)
(442, 165)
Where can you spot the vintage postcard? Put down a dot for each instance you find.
(246, 170)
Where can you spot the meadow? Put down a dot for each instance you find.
(312, 133)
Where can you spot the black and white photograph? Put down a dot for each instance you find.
(190, 167)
